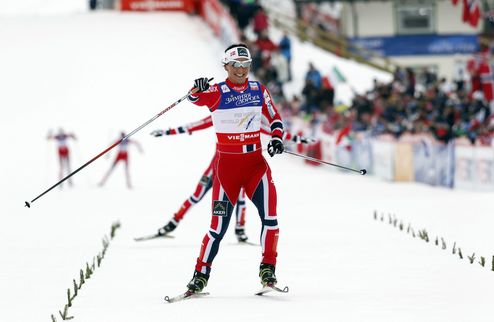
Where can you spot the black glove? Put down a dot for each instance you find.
(157, 133)
(303, 139)
(275, 146)
(202, 84)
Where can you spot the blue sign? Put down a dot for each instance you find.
(415, 45)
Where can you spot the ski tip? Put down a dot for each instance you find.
(27, 204)
(270, 288)
(363, 172)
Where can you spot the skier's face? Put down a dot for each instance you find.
(238, 75)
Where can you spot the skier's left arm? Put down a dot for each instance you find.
(270, 112)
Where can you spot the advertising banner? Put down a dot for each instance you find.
(403, 162)
(362, 152)
(444, 164)
(484, 168)
(383, 159)
(328, 147)
(156, 5)
(415, 45)
(464, 167)
(423, 162)
(220, 21)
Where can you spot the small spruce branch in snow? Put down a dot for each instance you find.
(443, 243)
(75, 287)
(423, 235)
(454, 248)
(436, 242)
(471, 258)
(401, 225)
(375, 214)
(89, 272)
(482, 261)
(53, 319)
(459, 253)
(492, 263)
(93, 266)
(69, 298)
(114, 227)
(81, 275)
(65, 314)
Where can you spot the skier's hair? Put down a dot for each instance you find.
(236, 45)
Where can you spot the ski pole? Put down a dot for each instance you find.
(362, 171)
(194, 90)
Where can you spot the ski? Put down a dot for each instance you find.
(153, 236)
(185, 296)
(271, 288)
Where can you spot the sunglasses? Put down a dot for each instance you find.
(237, 64)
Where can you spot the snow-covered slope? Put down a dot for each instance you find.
(98, 74)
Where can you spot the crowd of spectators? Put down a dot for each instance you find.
(435, 106)
(408, 104)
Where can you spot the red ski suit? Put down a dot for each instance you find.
(206, 181)
(237, 111)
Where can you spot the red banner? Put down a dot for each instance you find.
(156, 5)
(220, 21)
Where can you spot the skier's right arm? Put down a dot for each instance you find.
(189, 128)
(207, 95)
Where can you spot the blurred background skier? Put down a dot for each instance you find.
(122, 156)
(63, 152)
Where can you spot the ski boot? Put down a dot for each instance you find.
(198, 282)
(168, 228)
(241, 236)
(266, 273)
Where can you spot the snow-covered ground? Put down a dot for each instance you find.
(96, 74)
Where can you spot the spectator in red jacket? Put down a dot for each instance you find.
(260, 21)
(266, 46)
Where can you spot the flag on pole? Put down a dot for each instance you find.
(474, 13)
(471, 12)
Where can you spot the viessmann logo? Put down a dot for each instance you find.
(243, 99)
(242, 137)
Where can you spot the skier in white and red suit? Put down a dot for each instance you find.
(203, 186)
(237, 106)
(63, 151)
(206, 181)
(122, 156)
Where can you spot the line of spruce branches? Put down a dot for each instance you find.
(85, 274)
(424, 235)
